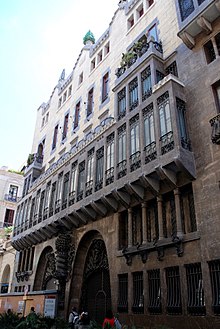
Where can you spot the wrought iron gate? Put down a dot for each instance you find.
(96, 291)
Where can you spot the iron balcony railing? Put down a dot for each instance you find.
(215, 124)
(12, 198)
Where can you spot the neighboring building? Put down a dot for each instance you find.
(120, 204)
(11, 186)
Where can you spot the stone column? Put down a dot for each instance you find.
(129, 227)
(144, 222)
(160, 216)
(179, 230)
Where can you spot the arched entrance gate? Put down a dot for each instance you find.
(96, 291)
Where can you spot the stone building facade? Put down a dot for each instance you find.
(120, 204)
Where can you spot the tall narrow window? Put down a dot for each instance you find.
(186, 8)
(196, 300)
(149, 134)
(217, 41)
(209, 52)
(36, 209)
(155, 305)
(105, 86)
(181, 109)
(47, 199)
(122, 103)
(72, 193)
(65, 190)
(52, 199)
(31, 213)
(138, 296)
(110, 158)
(172, 69)
(9, 216)
(40, 216)
(146, 85)
(13, 192)
(130, 22)
(135, 157)
(216, 92)
(152, 33)
(81, 181)
(174, 303)
(76, 117)
(55, 133)
(90, 102)
(99, 168)
(58, 193)
(123, 293)
(123, 230)
(166, 133)
(65, 126)
(133, 94)
(214, 270)
(90, 172)
(122, 162)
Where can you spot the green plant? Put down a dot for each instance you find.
(30, 159)
(16, 172)
(60, 323)
(33, 321)
(9, 320)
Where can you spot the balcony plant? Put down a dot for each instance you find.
(30, 159)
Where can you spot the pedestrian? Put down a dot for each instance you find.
(84, 321)
(109, 320)
(73, 317)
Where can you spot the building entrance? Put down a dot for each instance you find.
(96, 291)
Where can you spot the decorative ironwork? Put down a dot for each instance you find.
(109, 176)
(50, 269)
(186, 8)
(57, 206)
(172, 69)
(196, 300)
(133, 94)
(23, 276)
(150, 152)
(135, 161)
(215, 124)
(148, 109)
(138, 296)
(122, 293)
(155, 305)
(214, 270)
(72, 196)
(64, 255)
(89, 186)
(121, 129)
(163, 98)
(167, 142)
(174, 304)
(110, 138)
(122, 168)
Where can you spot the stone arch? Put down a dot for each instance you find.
(5, 279)
(90, 286)
(44, 279)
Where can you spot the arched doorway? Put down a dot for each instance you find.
(44, 279)
(5, 280)
(96, 290)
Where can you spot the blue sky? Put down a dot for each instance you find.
(37, 40)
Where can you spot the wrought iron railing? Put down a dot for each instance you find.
(150, 152)
(122, 168)
(12, 198)
(155, 305)
(135, 161)
(123, 293)
(174, 304)
(167, 142)
(138, 297)
(215, 124)
(57, 206)
(89, 186)
(72, 196)
(214, 269)
(109, 176)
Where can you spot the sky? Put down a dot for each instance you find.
(38, 39)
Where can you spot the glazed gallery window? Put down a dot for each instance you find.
(73, 183)
(65, 190)
(149, 134)
(186, 8)
(181, 111)
(89, 172)
(52, 199)
(76, 117)
(99, 168)
(122, 103)
(110, 158)
(135, 159)
(55, 133)
(133, 94)
(81, 181)
(164, 114)
(122, 163)
(105, 86)
(146, 85)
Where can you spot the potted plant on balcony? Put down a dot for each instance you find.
(30, 159)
